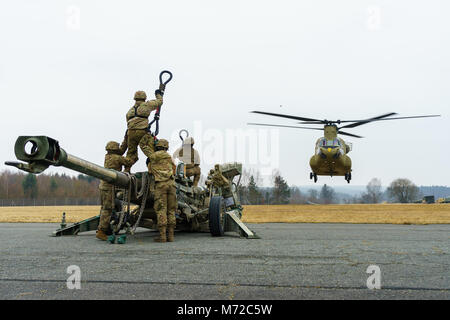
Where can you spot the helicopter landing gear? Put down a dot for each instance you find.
(348, 177)
(313, 175)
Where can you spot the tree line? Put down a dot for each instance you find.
(44, 186)
(61, 186)
(400, 190)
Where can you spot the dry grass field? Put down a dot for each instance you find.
(354, 213)
(47, 214)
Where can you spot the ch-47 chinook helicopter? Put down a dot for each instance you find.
(330, 158)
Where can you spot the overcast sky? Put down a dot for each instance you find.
(69, 69)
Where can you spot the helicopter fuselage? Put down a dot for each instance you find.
(330, 158)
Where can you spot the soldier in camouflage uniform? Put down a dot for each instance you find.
(189, 156)
(137, 124)
(113, 160)
(163, 169)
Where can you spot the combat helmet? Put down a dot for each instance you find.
(189, 140)
(162, 143)
(112, 146)
(140, 95)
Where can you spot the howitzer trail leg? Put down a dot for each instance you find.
(233, 223)
(82, 226)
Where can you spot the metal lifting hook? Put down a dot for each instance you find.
(158, 111)
(181, 137)
(168, 80)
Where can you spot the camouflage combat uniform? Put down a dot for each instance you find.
(163, 169)
(189, 156)
(137, 124)
(115, 161)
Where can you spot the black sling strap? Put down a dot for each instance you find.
(136, 115)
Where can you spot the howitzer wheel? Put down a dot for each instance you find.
(216, 216)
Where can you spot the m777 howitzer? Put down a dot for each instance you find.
(215, 209)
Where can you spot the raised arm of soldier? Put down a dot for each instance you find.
(137, 124)
(150, 105)
(124, 145)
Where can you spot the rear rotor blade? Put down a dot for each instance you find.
(396, 118)
(412, 117)
(287, 116)
(361, 122)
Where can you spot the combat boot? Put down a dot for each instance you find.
(162, 235)
(101, 235)
(170, 231)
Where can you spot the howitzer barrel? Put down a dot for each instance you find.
(40, 152)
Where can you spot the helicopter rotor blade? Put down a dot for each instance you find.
(361, 122)
(412, 117)
(349, 134)
(282, 126)
(296, 127)
(312, 122)
(396, 118)
(287, 116)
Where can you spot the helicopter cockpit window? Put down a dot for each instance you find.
(329, 143)
(324, 143)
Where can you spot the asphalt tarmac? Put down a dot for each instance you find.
(290, 261)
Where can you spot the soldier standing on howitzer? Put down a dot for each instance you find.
(137, 124)
(190, 157)
(163, 169)
(115, 161)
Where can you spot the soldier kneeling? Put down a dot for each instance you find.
(163, 169)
